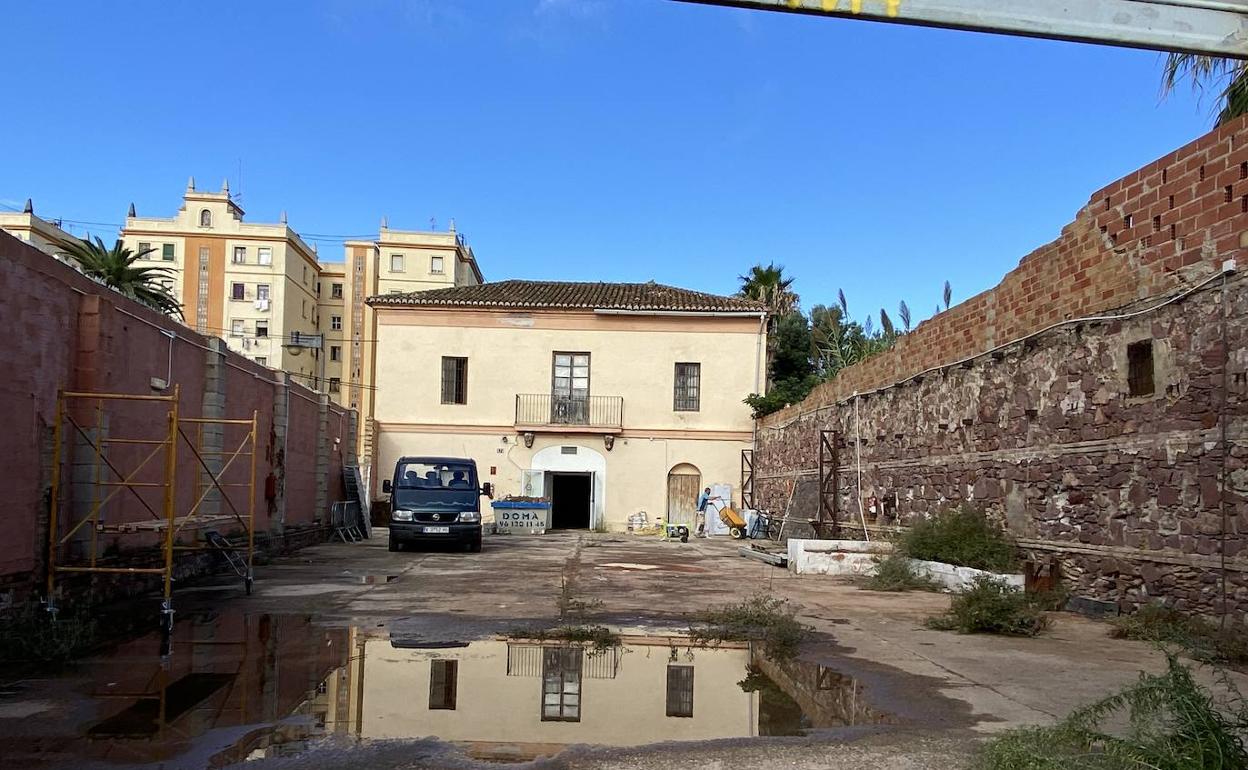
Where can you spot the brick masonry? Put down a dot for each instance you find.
(69, 332)
(1010, 401)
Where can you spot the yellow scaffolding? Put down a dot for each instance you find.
(167, 521)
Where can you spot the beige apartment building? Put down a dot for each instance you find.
(40, 233)
(252, 284)
(397, 262)
(265, 290)
(608, 398)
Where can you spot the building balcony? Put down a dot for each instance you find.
(548, 413)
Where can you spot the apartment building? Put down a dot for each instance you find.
(40, 233)
(607, 398)
(398, 262)
(264, 289)
(252, 284)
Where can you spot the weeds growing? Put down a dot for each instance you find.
(31, 634)
(1203, 640)
(1171, 722)
(992, 606)
(763, 619)
(599, 638)
(961, 536)
(897, 573)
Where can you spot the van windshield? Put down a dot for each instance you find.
(430, 486)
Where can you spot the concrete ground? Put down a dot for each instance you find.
(942, 692)
(951, 689)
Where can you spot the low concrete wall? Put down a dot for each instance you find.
(858, 557)
(959, 578)
(836, 557)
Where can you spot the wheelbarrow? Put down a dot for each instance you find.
(729, 516)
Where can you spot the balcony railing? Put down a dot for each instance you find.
(544, 410)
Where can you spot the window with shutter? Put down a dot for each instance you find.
(454, 380)
(442, 684)
(680, 691)
(688, 387)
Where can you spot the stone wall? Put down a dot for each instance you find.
(1012, 402)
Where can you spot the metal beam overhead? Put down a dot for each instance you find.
(1211, 27)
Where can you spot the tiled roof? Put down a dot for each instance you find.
(537, 295)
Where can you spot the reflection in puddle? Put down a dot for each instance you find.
(252, 687)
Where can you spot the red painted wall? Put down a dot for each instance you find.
(68, 332)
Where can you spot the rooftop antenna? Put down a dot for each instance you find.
(433, 224)
(238, 197)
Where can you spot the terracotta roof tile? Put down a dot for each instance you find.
(567, 295)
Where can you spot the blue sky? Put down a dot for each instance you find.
(589, 139)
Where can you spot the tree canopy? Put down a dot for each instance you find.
(116, 269)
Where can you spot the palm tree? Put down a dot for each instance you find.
(1228, 76)
(769, 286)
(115, 268)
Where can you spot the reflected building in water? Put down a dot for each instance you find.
(250, 686)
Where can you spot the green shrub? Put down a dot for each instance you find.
(896, 573)
(764, 619)
(1170, 722)
(963, 537)
(992, 606)
(1200, 638)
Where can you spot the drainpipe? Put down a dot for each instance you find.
(758, 366)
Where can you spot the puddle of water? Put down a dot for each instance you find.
(241, 687)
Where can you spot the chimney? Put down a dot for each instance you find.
(225, 187)
(190, 184)
(283, 219)
(384, 226)
(130, 214)
(29, 208)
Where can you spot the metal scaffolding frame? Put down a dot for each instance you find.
(165, 519)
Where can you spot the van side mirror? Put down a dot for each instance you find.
(487, 489)
(385, 486)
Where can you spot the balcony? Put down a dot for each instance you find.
(562, 414)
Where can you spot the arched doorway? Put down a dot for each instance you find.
(684, 483)
(575, 480)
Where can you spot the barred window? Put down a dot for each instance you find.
(454, 380)
(680, 691)
(688, 387)
(442, 684)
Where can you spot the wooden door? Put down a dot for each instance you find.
(682, 498)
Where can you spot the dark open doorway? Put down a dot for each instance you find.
(570, 500)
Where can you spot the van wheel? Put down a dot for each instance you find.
(475, 546)
(394, 544)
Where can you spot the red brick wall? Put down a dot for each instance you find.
(64, 331)
(1181, 228)
(1140, 494)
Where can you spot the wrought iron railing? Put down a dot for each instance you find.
(548, 410)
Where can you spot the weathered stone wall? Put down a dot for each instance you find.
(1138, 497)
